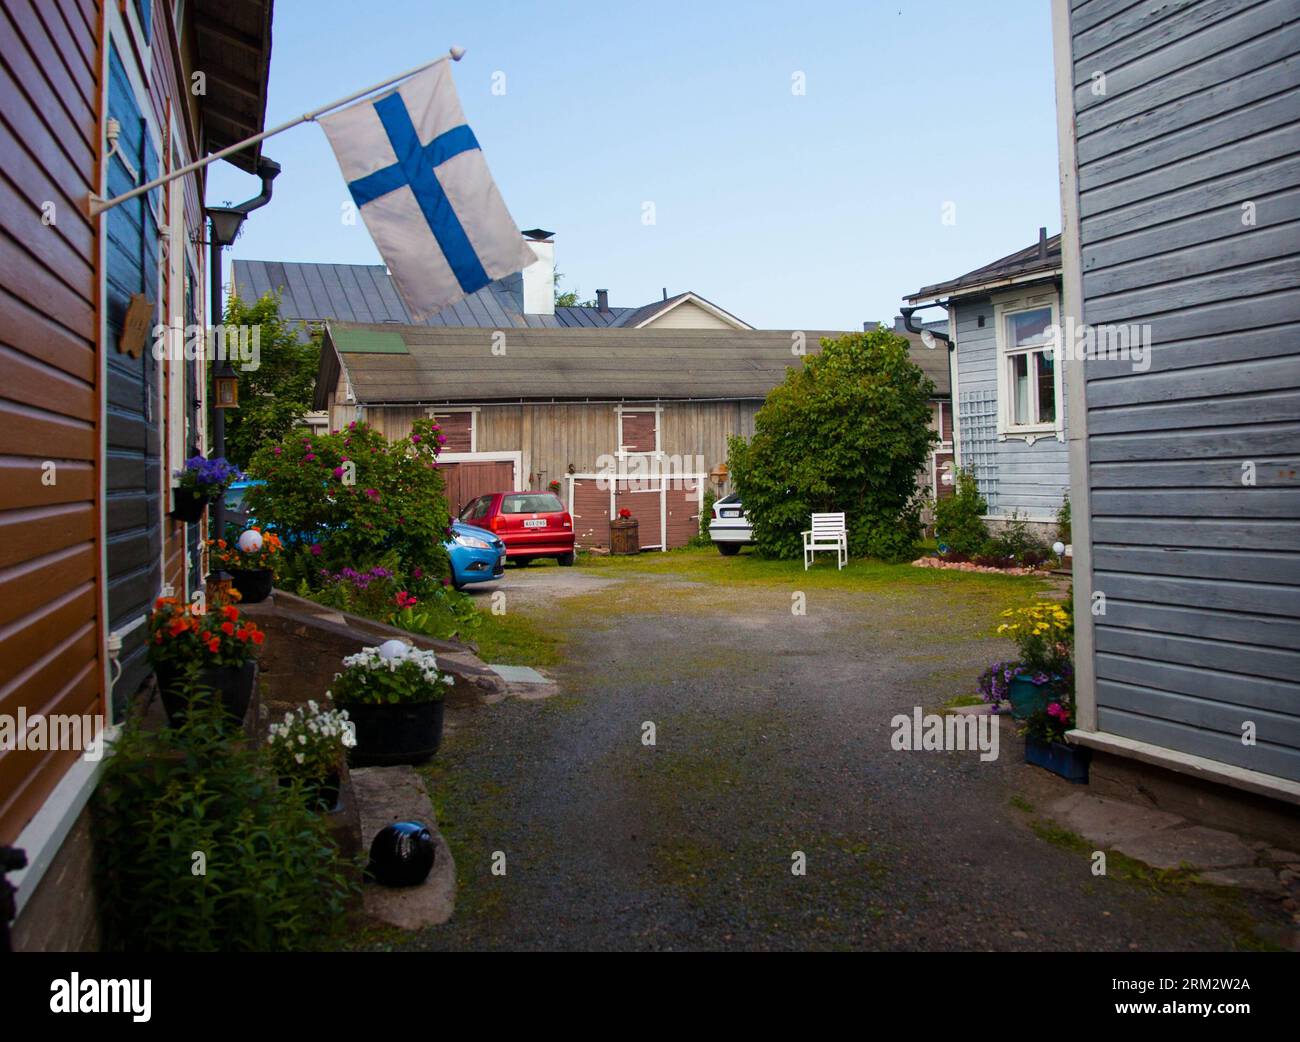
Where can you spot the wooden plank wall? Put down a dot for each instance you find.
(1189, 201)
(49, 552)
(133, 467)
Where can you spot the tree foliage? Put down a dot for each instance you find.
(848, 431)
(274, 397)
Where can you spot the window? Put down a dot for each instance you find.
(1027, 377)
(531, 503)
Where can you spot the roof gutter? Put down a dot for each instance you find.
(923, 299)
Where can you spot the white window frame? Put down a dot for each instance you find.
(1007, 428)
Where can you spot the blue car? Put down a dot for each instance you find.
(477, 555)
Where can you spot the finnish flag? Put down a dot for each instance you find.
(418, 177)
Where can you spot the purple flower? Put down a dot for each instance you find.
(316, 549)
(338, 472)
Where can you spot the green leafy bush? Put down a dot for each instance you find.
(1063, 532)
(959, 518)
(1018, 543)
(199, 847)
(701, 538)
(849, 432)
(352, 499)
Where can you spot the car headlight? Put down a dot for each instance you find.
(472, 541)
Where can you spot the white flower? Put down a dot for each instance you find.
(300, 758)
(302, 739)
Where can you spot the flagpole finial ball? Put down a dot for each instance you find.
(457, 53)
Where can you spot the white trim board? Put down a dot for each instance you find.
(43, 836)
(1185, 763)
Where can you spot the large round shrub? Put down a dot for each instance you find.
(848, 431)
(352, 499)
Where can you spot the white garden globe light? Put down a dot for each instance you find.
(1058, 548)
(391, 649)
(250, 542)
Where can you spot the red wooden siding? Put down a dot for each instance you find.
(49, 413)
(638, 433)
(590, 513)
(456, 427)
(467, 481)
(683, 511)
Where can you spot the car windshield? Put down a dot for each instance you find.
(531, 503)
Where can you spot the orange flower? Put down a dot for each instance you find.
(242, 635)
(228, 628)
(258, 637)
(214, 645)
(230, 612)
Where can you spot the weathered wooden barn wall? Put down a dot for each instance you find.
(555, 437)
(1187, 192)
(49, 406)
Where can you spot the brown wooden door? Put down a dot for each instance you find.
(467, 481)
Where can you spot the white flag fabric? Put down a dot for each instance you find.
(419, 180)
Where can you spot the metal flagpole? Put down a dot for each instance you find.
(96, 205)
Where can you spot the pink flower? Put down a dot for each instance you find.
(277, 450)
(310, 457)
(338, 472)
(373, 493)
(316, 549)
(442, 439)
(415, 439)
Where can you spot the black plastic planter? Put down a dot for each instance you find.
(391, 734)
(188, 506)
(254, 584)
(233, 686)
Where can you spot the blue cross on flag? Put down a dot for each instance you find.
(418, 177)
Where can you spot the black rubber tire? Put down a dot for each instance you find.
(728, 549)
(566, 560)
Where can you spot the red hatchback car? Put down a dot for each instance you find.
(531, 524)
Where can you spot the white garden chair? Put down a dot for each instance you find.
(827, 533)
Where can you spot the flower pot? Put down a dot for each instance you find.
(389, 734)
(233, 685)
(1026, 697)
(254, 584)
(187, 506)
(624, 537)
(1069, 761)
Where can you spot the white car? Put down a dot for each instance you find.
(729, 528)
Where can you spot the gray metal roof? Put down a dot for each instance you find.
(365, 293)
(388, 364)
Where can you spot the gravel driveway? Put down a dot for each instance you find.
(772, 736)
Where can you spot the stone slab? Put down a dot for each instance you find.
(518, 674)
(385, 795)
(1107, 822)
(1197, 848)
(1260, 880)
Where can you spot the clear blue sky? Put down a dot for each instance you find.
(813, 211)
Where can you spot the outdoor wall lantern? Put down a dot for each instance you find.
(226, 385)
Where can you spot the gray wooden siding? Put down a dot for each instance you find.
(1031, 479)
(1201, 572)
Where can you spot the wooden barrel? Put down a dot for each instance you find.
(624, 537)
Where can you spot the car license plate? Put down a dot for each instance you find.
(539, 522)
(731, 513)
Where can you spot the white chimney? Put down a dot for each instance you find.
(539, 279)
